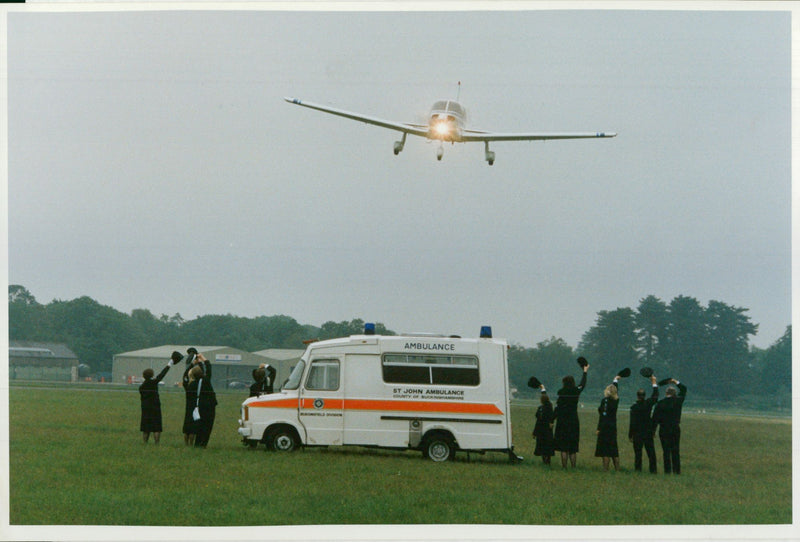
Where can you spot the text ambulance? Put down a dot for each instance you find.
(436, 394)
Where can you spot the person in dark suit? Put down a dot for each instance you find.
(206, 401)
(189, 424)
(256, 388)
(640, 430)
(567, 430)
(606, 446)
(543, 429)
(667, 417)
(264, 378)
(151, 403)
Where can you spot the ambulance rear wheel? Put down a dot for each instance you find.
(282, 439)
(439, 447)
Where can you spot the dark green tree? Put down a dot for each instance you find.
(332, 330)
(549, 361)
(93, 331)
(611, 344)
(651, 321)
(775, 371)
(280, 331)
(151, 329)
(27, 319)
(726, 369)
(685, 346)
(20, 294)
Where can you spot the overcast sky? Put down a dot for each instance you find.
(153, 163)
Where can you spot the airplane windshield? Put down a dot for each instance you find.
(456, 108)
(449, 107)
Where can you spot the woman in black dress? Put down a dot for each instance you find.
(151, 403)
(543, 430)
(568, 428)
(607, 427)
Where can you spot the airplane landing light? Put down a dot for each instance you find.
(442, 128)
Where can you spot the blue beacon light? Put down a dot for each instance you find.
(486, 332)
(369, 328)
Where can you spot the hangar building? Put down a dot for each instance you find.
(28, 360)
(232, 368)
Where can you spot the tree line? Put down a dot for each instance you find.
(96, 332)
(705, 346)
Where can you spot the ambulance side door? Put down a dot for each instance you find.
(322, 402)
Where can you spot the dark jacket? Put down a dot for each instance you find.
(264, 386)
(544, 418)
(667, 413)
(148, 390)
(641, 424)
(542, 430)
(567, 432)
(151, 404)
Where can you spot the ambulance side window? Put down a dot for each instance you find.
(323, 375)
(431, 369)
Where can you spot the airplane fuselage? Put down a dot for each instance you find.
(446, 121)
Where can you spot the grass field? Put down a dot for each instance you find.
(76, 458)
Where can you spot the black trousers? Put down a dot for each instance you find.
(649, 447)
(204, 427)
(671, 446)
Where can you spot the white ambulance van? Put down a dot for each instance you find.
(433, 393)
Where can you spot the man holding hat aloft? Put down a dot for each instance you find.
(263, 377)
(640, 430)
(667, 416)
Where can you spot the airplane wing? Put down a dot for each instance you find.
(474, 135)
(414, 129)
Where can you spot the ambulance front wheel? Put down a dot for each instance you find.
(282, 439)
(439, 447)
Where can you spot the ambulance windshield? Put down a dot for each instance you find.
(294, 379)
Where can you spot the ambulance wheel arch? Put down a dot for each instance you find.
(281, 438)
(439, 445)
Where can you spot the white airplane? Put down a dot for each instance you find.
(446, 123)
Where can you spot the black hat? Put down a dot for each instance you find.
(533, 382)
(624, 373)
(176, 356)
(646, 372)
(664, 381)
(582, 361)
(192, 350)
